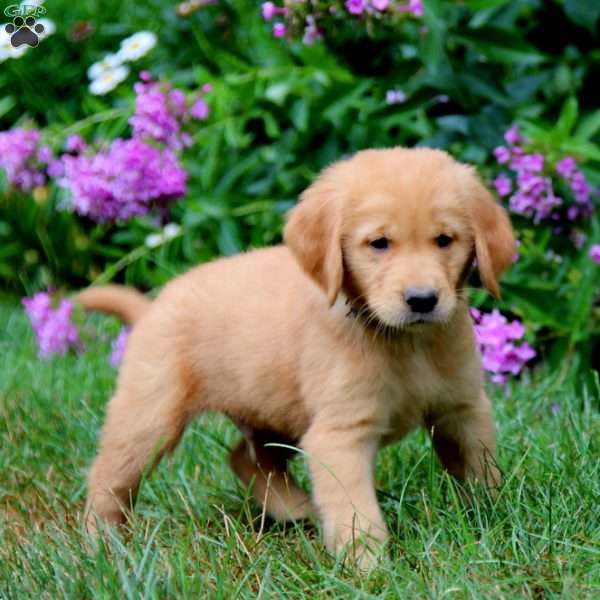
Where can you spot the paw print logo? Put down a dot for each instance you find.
(24, 31)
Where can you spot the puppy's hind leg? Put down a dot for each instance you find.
(141, 425)
(265, 468)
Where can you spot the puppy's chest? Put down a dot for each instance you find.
(411, 387)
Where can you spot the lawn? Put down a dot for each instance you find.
(196, 534)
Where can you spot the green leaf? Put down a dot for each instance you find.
(568, 117)
(500, 46)
(583, 12)
(589, 126)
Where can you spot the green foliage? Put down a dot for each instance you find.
(281, 111)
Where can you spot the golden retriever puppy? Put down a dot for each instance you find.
(354, 333)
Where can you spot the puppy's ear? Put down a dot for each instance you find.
(313, 234)
(494, 237)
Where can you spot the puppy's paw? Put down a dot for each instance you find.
(364, 553)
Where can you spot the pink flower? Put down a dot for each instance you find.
(512, 135)
(496, 338)
(127, 179)
(269, 10)
(503, 185)
(595, 253)
(380, 5)
(200, 109)
(355, 7)
(414, 7)
(566, 167)
(20, 158)
(54, 331)
(75, 144)
(502, 154)
(279, 30)
(118, 347)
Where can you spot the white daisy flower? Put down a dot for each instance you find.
(109, 63)
(154, 240)
(109, 80)
(136, 46)
(170, 232)
(49, 28)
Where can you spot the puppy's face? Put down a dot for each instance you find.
(406, 254)
(397, 230)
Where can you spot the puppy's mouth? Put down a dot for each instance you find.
(410, 322)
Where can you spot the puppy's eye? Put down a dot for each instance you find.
(381, 243)
(443, 240)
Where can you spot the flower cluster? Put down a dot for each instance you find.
(161, 110)
(52, 325)
(497, 339)
(106, 74)
(23, 159)
(532, 179)
(128, 179)
(55, 331)
(595, 253)
(311, 19)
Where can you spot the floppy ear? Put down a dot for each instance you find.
(494, 238)
(313, 234)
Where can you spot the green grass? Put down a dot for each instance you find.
(195, 534)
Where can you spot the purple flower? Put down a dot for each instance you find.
(595, 253)
(269, 10)
(566, 167)
(414, 7)
(157, 114)
(380, 5)
(512, 136)
(200, 109)
(127, 179)
(45, 154)
(580, 187)
(279, 30)
(534, 163)
(355, 7)
(395, 97)
(502, 154)
(21, 160)
(118, 347)
(496, 338)
(54, 331)
(311, 31)
(75, 144)
(503, 185)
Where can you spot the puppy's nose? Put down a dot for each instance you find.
(421, 300)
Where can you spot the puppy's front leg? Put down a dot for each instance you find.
(465, 441)
(341, 461)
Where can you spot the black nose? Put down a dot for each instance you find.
(421, 300)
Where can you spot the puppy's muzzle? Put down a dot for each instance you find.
(421, 300)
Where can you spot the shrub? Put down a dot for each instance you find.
(457, 76)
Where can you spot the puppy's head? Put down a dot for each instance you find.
(398, 230)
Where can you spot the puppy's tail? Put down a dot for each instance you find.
(126, 303)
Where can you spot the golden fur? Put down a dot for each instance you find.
(313, 343)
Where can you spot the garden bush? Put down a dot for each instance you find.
(192, 139)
